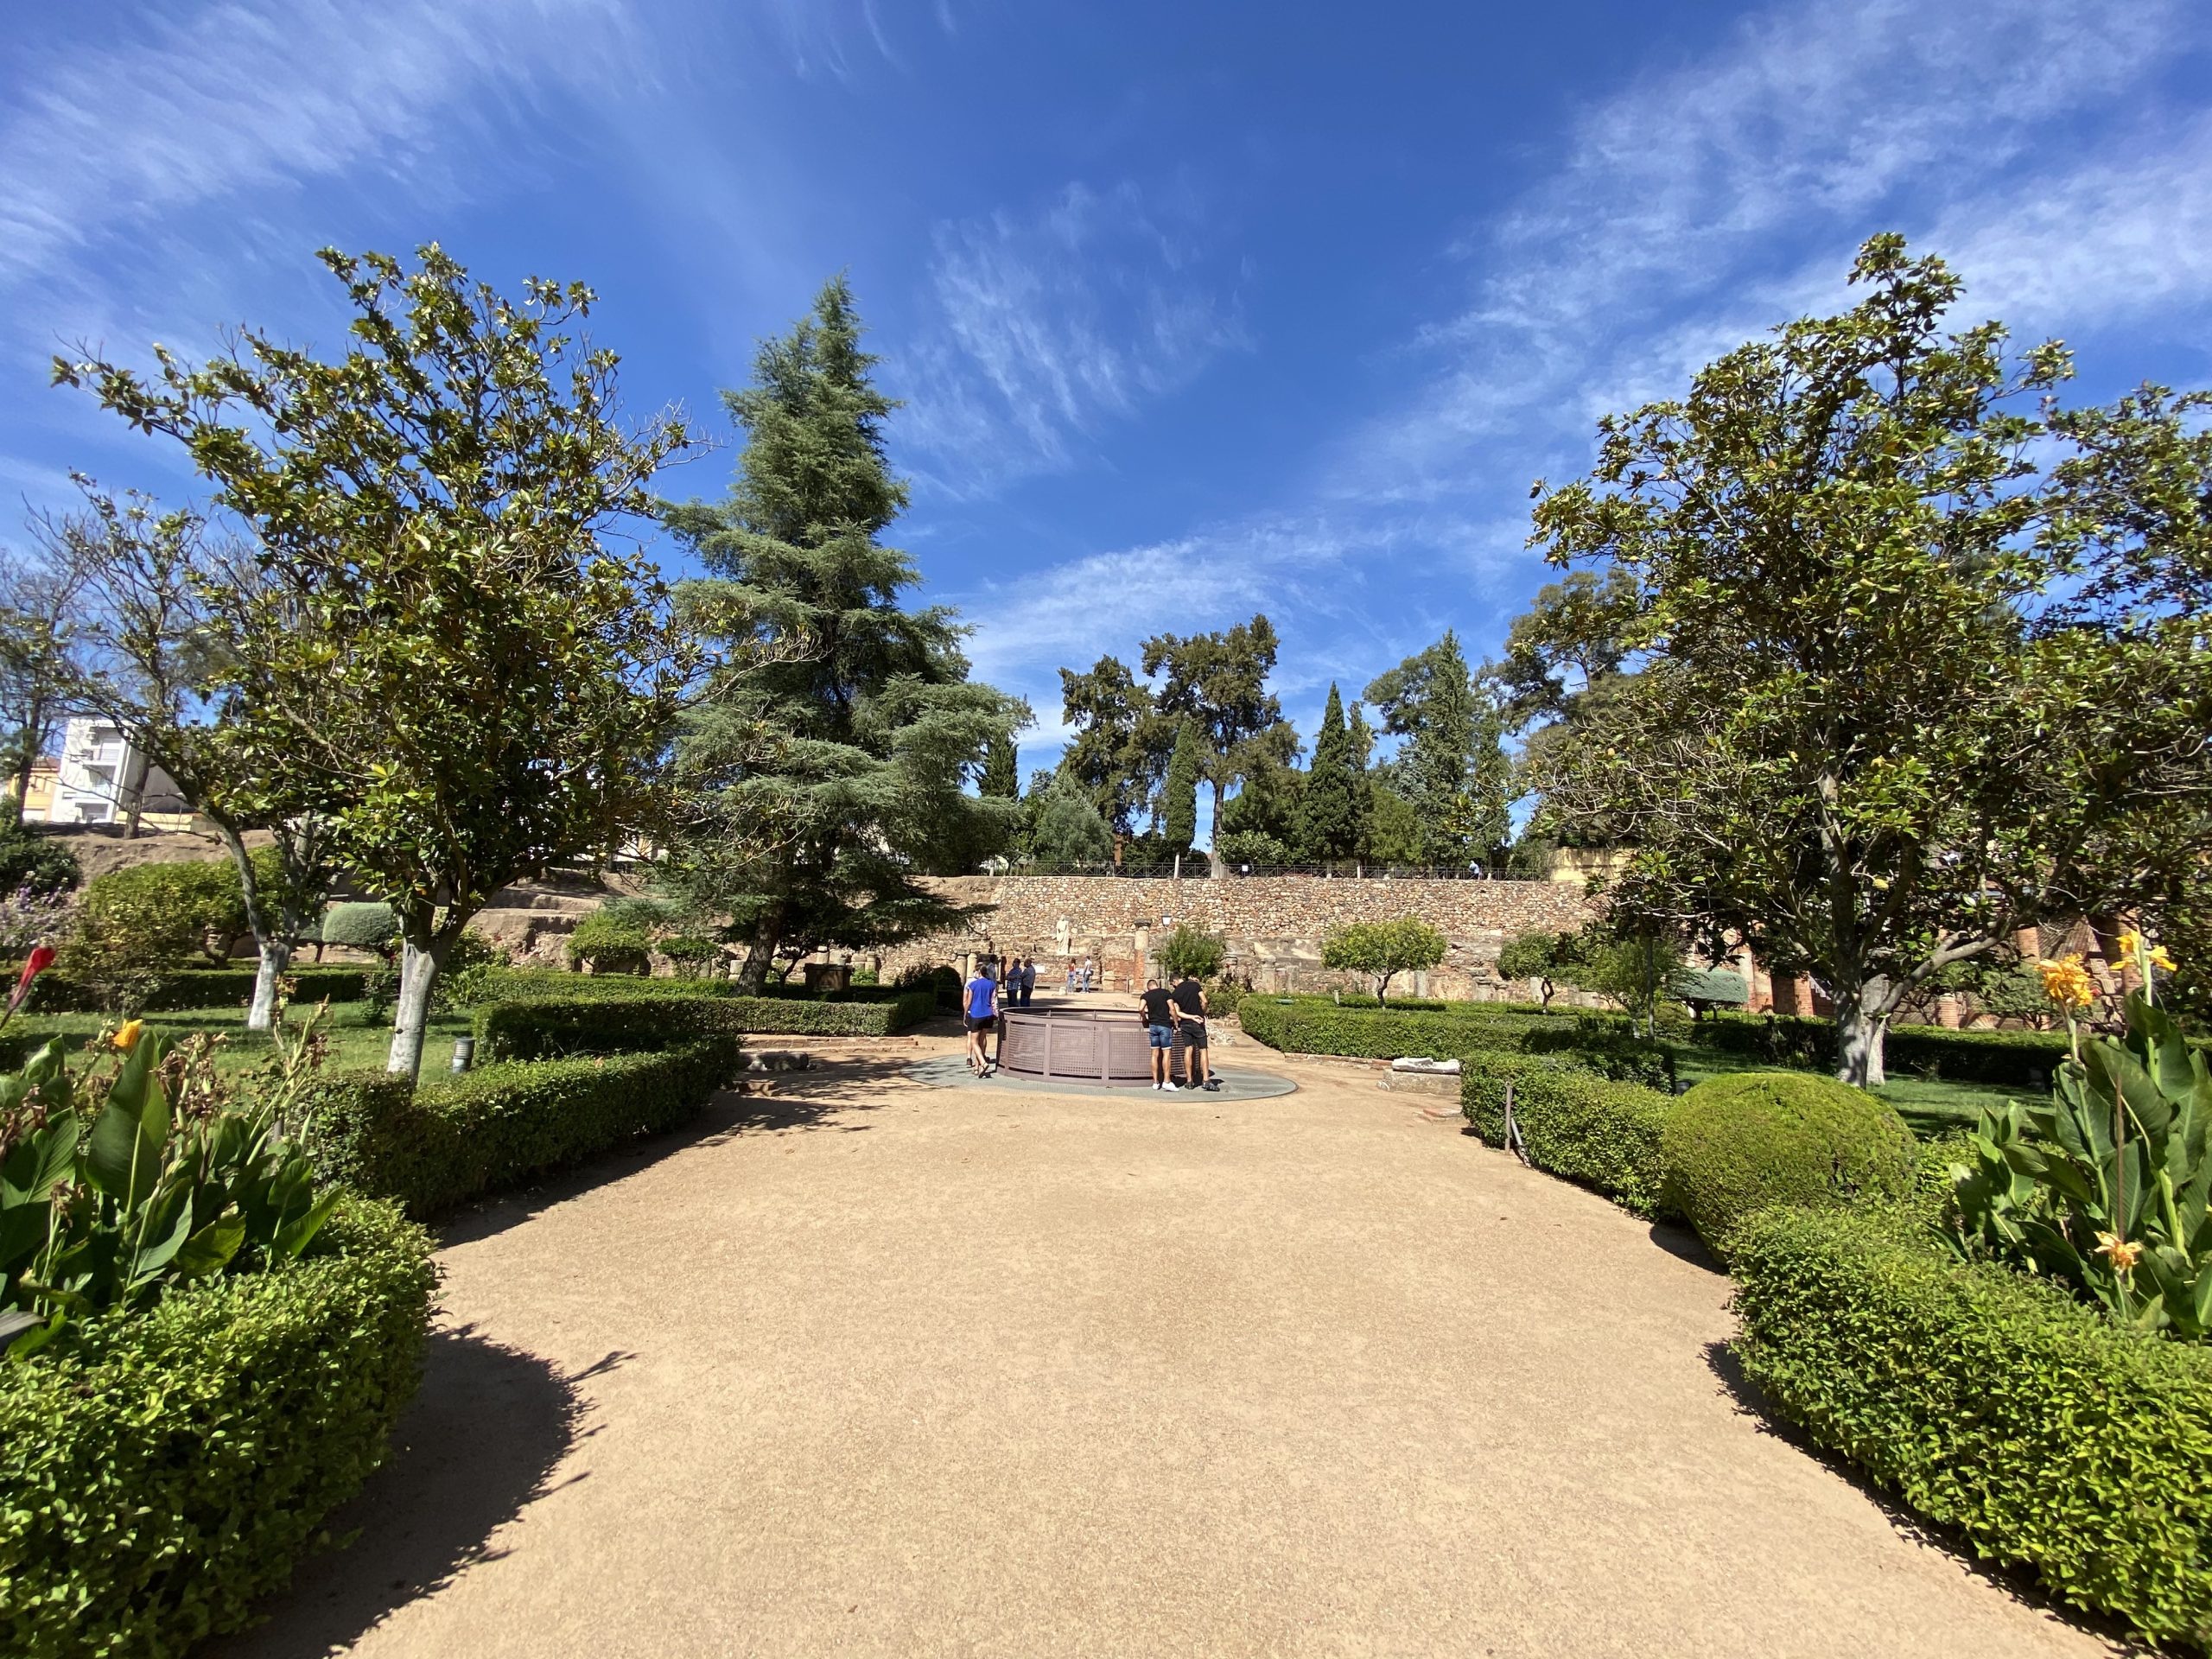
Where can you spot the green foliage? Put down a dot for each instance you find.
(1994, 1405)
(1118, 754)
(1179, 799)
(173, 911)
(439, 631)
(189, 987)
(362, 927)
(1574, 1123)
(694, 1005)
(1451, 769)
(1542, 955)
(116, 1185)
(695, 956)
(1737, 1145)
(164, 1470)
(2125, 1173)
(1189, 952)
(1395, 832)
(1215, 684)
(1882, 647)
(1069, 832)
(1259, 824)
(1253, 847)
(36, 862)
(446, 1142)
(1384, 949)
(1332, 807)
(1001, 776)
(1224, 997)
(1707, 988)
(608, 942)
(1634, 971)
(823, 772)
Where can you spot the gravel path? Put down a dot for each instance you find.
(874, 1368)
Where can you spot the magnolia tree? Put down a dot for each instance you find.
(456, 667)
(1901, 691)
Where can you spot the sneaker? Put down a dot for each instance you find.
(1171, 1088)
(1213, 1083)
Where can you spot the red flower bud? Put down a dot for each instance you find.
(35, 964)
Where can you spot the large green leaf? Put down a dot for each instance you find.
(210, 1249)
(122, 1158)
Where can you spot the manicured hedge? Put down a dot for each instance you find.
(2010, 1059)
(1993, 1403)
(868, 1011)
(160, 1470)
(444, 1143)
(1574, 1123)
(1303, 1027)
(196, 987)
(1737, 1145)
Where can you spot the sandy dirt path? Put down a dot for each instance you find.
(872, 1368)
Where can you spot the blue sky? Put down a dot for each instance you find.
(1198, 309)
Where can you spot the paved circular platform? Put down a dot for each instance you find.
(950, 1072)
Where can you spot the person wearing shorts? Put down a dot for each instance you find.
(979, 1015)
(1190, 1001)
(1159, 1030)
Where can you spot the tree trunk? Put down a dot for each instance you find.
(760, 954)
(1862, 1020)
(26, 763)
(276, 957)
(275, 950)
(1217, 868)
(410, 1021)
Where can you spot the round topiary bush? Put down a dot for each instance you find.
(362, 927)
(1736, 1145)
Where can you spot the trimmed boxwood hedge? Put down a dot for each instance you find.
(1301, 1026)
(1739, 1144)
(160, 1470)
(443, 1143)
(867, 1011)
(1993, 1403)
(2009, 1059)
(195, 988)
(1574, 1123)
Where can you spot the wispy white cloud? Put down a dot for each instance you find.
(1695, 209)
(1048, 325)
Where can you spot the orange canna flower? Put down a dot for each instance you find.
(2066, 982)
(2124, 1252)
(126, 1036)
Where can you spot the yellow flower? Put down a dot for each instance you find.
(2129, 942)
(2124, 1252)
(126, 1038)
(2066, 982)
(2134, 947)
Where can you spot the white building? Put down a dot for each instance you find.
(104, 775)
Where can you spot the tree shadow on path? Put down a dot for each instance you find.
(479, 1442)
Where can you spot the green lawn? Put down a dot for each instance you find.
(1930, 1105)
(357, 1039)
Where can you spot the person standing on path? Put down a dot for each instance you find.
(1190, 1000)
(1159, 1030)
(1028, 979)
(979, 1015)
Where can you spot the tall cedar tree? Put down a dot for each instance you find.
(822, 772)
(1119, 752)
(1900, 693)
(1331, 807)
(1179, 806)
(453, 662)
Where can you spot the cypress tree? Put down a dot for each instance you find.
(1001, 778)
(1331, 806)
(1178, 804)
(824, 768)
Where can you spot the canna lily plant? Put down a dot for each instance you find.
(142, 1171)
(2115, 1200)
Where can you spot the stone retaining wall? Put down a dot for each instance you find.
(1273, 925)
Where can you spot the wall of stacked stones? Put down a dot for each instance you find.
(1273, 926)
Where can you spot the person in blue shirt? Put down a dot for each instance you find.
(980, 1015)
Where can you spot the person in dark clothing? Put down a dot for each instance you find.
(1159, 1029)
(1190, 1002)
(1028, 979)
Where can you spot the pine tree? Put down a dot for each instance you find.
(1451, 769)
(824, 768)
(1331, 806)
(1001, 778)
(1179, 806)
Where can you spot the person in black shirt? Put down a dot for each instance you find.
(1160, 1027)
(1190, 999)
